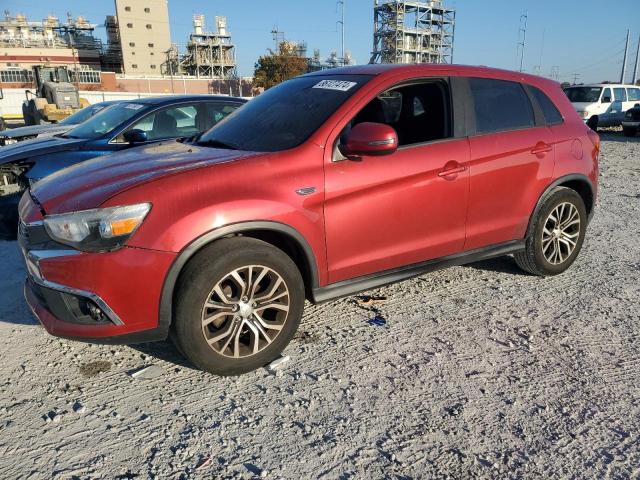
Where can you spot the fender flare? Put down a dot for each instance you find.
(165, 312)
(557, 182)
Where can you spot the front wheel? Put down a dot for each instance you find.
(556, 234)
(238, 304)
(592, 123)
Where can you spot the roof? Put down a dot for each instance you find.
(610, 85)
(434, 69)
(170, 99)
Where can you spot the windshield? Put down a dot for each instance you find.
(106, 121)
(583, 94)
(284, 116)
(84, 114)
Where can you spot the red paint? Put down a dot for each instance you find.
(368, 214)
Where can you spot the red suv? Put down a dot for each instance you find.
(328, 184)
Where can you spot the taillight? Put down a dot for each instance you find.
(595, 139)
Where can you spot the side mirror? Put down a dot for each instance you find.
(606, 100)
(637, 105)
(135, 136)
(368, 138)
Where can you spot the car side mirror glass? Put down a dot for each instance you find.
(135, 136)
(370, 139)
(606, 100)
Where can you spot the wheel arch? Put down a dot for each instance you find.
(280, 235)
(581, 184)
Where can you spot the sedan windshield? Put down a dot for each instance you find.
(84, 114)
(106, 121)
(583, 94)
(284, 116)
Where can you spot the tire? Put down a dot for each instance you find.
(210, 271)
(592, 123)
(629, 131)
(537, 257)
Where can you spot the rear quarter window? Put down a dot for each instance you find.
(551, 113)
(634, 94)
(500, 105)
(620, 94)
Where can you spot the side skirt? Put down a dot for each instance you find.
(368, 282)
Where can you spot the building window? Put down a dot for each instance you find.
(129, 25)
(148, 26)
(134, 65)
(133, 53)
(150, 45)
(147, 10)
(132, 44)
(127, 9)
(151, 53)
(153, 66)
(85, 76)
(16, 76)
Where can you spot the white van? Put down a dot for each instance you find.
(603, 104)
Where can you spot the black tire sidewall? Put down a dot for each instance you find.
(560, 195)
(195, 284)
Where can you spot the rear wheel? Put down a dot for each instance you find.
(592, 123)
(557, 234)
(238, 305)
(629, 131)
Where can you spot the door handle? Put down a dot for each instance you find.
(453, 170)
(541, 148)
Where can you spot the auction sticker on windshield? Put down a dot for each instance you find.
(339, 85)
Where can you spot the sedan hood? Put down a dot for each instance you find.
(89, 184)
(34, 130)
(38, 146)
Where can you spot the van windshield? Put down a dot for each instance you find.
(583, 94)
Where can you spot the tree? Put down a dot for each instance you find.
(275, 68)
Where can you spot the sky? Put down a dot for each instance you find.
(583, 37)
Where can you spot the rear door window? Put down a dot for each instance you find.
(634, 94)
(551, 113)
(500, 105)
(620, 94)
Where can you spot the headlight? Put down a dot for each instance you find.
(99, 230)
(585, 114)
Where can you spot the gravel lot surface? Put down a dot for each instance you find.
(477, 371)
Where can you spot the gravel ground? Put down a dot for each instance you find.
(477, 371)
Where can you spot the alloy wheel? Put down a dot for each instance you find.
(560, 233)
(245, 311)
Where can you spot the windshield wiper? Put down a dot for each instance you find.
(217, 144)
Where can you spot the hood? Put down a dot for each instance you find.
(582, 106)
(33, 130)
(38, 146)
(89, 184)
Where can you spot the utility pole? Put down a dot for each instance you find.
(555, 72)
(624, 62)
(637, 67)
(341, 22)
(522, 37)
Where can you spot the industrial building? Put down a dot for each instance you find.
(412, 32)
(142, 28)
(25, 43)
(209, 54)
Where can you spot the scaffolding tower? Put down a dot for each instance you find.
(412, 32)
(210, 54)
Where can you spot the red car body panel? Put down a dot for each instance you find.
(422, 202)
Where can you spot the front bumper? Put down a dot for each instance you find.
(631, 123)
(111, 297)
